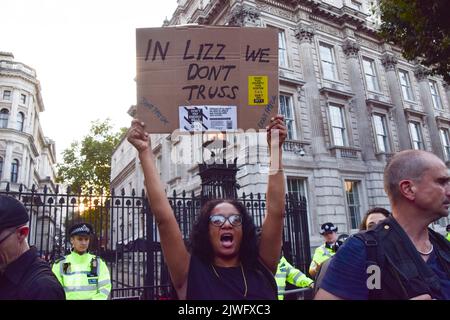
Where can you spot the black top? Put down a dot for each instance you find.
(30, 278)
(203, 283)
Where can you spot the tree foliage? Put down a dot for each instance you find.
(422, 29)
(88, 164)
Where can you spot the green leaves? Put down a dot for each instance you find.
(87, 165)
(422, 29)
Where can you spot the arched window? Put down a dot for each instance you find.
(15, 170)
(20, 121)
(4, 115)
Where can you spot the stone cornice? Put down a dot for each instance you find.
(206, 15)
(336, 92)
(240, 15)
(415, 113)
(441, 121)
(389, 61)
(421, 72)
(304, 32)
(351, 48)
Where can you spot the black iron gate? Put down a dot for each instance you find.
(126, 236)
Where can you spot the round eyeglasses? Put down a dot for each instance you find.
(219, 220)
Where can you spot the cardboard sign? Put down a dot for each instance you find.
(198, 78)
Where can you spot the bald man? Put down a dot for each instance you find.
(401, 258)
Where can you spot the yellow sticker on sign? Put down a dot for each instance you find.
(258, 87)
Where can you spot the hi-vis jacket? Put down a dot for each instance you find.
(286, 272)
(83, 277)
(321, 254)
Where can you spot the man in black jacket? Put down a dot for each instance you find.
(401, 258)
(23, 275)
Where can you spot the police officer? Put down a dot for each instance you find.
(326, 250)
(448, 232)
(83, 276)
(288, 273)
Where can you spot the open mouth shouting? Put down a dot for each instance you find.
(226, 240)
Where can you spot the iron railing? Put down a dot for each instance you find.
(126, 235)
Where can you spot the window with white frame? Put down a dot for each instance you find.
(282, 52)
(288, 113)
(15, 171)
(353, 202)
(328, 61)
(338, 125)
(296, 187)
(405, 84)
(445, 139)
(23, 98)
(20, 121)
(416, 135)
(4, 116)
(7, 95)
(355, 5)
(370, 74)
(435, 94)
(379, 123)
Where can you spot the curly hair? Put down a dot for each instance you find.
(200, 243)
(383, 211)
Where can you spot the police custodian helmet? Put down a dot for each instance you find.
(328, 228)
(80, 229)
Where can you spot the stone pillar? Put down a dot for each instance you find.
(305, 35)
(22, 168)
(351, 50)
(421, 74)
(389, 62)
(6, 175)
(12, 122)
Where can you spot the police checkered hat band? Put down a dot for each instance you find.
(328, 227)
(80, 229)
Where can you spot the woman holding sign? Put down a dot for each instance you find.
(224, 261)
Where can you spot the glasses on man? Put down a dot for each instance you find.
(219, 220)
(7, 236)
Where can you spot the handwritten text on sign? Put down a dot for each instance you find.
(206, 66)
(197, 70)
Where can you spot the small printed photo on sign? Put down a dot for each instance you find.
(258, 90)
(208, 118)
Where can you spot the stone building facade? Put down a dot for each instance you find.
(27, 156)
(350, 101)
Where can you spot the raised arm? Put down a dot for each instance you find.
(175, 253)
(272, 228)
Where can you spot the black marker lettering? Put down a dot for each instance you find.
(159, 48)
(228, 71)
(234, 89)
(209, 46)
(201, 89)
(212, 95)
(200, 52)
(149, 46)
(185, 57)
(252, 55)
(263, 54)
(191, 75)
(221, 46)
(191, 88)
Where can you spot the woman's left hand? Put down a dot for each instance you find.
(276, 125)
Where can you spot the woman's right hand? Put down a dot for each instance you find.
(138, 137)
